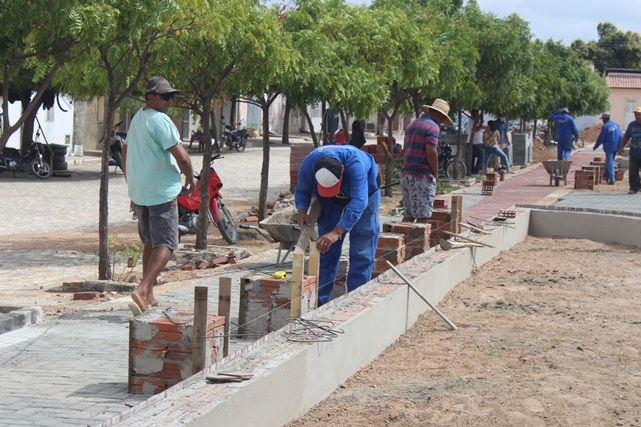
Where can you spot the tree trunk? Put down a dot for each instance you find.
(264, 173)
(28, 126)
(288, 110)
(203, 218)
(389, 163)
(104, 270)
(458, 145)
(345, 124)
(312, 132)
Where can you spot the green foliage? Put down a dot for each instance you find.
(614, 49)
(125, 257)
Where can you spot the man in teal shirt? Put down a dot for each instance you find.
(153, 158)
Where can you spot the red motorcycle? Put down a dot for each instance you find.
(218, 214)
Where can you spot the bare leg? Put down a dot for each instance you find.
(153, 261)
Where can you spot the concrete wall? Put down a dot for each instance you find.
(623, 230)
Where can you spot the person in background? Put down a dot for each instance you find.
(475, 137)
(491, 140)
(610, 138)
(564, 133)
(504, 143)
(345, 179)
(420, 162)
(633, 134)
(153, 158)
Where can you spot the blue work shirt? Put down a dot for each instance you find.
(360, 180)
(610, 137)
(634, 133)
(565, 128)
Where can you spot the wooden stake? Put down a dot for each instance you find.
(224, 309)
(200, 329)
(478, 230)
(456, 210)
(467, 239)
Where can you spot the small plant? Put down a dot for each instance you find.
(130, 253)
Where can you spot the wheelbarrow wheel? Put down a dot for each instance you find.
(557, 176)
(226, 225)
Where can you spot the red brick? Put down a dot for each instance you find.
(85, 296)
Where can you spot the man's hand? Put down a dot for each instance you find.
(190, 185)
(303, 218)
(327, 240)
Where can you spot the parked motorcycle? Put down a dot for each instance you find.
(116, 141)
(232, 137)
(218, 214)
(446, 162)
(12, 160)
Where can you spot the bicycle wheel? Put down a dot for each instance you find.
(579, 143)
(227, 226)
(240, 147)
(461, 169)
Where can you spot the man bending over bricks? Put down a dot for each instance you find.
(345, 180)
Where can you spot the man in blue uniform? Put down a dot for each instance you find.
(345, 179)
(565, 132)
(610, 138)
(633, 134)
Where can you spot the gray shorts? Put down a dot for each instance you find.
(418, 195)
(158, 225)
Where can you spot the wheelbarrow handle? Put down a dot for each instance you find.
(253, 227)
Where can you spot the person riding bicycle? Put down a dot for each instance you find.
(565, 132)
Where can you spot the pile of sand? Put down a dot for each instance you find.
(591, 134)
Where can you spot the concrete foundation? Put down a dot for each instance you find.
(291, 377)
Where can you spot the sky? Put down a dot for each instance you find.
(568, 20)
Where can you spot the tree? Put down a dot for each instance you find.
(38, 38)
(614, 49)
(215, 47)
(114, 68)
(272, 62)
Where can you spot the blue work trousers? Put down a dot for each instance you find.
(363, 240)
(498, 152)
(609, 165)
(563, 150)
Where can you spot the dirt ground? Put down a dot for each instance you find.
(551, 341)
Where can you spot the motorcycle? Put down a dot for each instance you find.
(218, 214)
(12, 160)
(116, 141)
(232, 137)
(446, 163)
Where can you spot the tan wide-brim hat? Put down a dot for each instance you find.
(442, 106)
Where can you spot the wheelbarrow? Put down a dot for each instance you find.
(282, 227)
(558, 169)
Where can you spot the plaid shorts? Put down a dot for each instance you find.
(418, 195)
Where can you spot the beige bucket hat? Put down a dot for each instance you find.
(442, 106)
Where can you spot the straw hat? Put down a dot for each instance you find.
(442, 106)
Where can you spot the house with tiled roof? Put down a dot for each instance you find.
(625, 93)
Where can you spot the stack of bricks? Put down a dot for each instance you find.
(598, 170)
(265, 303)
(618, 174)
(377, 151)
(584, 179)
(417, 236)
(391, 247)
(491, 176)
(440, 203)
(161, 349)
(488, 187)
(439, 221)
(296, 155)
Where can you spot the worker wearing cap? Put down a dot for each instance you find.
(610, 137)
(345, 179)
(633, 134)
(565, 132)
(153, 158)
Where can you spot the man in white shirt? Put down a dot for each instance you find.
(475, 135)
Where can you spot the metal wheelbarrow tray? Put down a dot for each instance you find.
(558, 169)
(281, 227)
